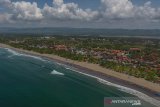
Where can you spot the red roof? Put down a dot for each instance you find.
(60, 47)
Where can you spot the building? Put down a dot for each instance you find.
(60, 47)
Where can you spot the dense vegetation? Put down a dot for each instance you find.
(143, 64)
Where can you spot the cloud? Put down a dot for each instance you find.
(59, 11)
(5, 18)
(4, 2)
(117, 8)
(22, 10)
(68, 11)
(26, 11)
(146, 11)
(125, 9)
(58, 2)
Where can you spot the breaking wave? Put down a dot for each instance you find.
(133, 92)
(123, 88)
(54, 72)
(14, 53)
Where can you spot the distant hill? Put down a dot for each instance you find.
(83, 32)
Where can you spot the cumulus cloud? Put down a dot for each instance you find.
(117, 8)
(5, 18)
(146, 11)
(58, 2)
(22, 10)
(111, 10)
(125, 9)
(26, 10)
(68, 11)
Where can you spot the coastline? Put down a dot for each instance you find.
(138, 84)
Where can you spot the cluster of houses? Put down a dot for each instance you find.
(119, 56)
(108, 54)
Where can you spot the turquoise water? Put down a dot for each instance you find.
(27, 81)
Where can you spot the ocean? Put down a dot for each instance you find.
(30, 81)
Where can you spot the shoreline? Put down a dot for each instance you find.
(141, 85)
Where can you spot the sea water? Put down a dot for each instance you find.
(31, 81)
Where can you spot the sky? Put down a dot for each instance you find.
(125, 14)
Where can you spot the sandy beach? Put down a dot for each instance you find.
(139, 84)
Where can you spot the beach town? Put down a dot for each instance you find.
(79, 53)
(135, 57)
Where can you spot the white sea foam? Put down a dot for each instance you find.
(133, 92)
(124, 89)
(54, 72)
(14, 53)
(121, 88)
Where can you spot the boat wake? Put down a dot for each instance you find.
(54, 72)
